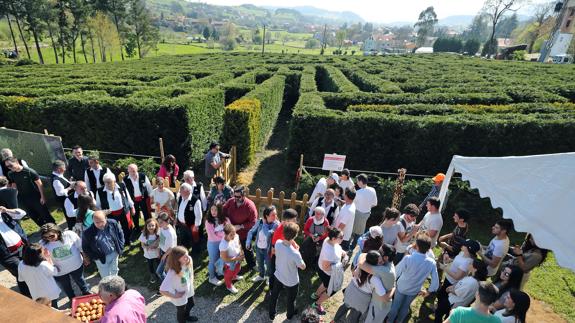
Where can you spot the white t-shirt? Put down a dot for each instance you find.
(168, 238)
(183, 282)
(329, 253)
(459, 263)
(10, 237)
(262, 241)
(346, 215)
(346, 184)
(390, 233)
(504, 319)
(233, 248)
(365, 199)
(432, 221)
(287, 261)
(66, 255)
(150, 253)
(401, 247)
(319, 189)
(464, 292)
(496, 248)
(40, 280)
(372, 285)
(162, 197)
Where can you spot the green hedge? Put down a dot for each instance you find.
(241, 128)
(270, 94)
(371, 83)
(424, 143)
(331, 79)
(124, 125)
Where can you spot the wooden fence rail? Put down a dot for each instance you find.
(280, 202)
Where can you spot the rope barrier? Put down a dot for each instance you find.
(373, 172)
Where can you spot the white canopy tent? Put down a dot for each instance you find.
(536, 192)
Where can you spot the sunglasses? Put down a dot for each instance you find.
(238, 197)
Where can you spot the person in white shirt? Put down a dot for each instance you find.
(327, 202)
(163, 198)
(94, 176)
(232, 254)
(358, 294)
(498, 246)
(62, 187)
(322, 185)
(168, 240)
(140, 189)
(288, 261)
(13, 239)
(115, 198)
(66, 252)
(189, 218)
(178, 285)
(365, 200)
(432, 221)
(457, 270)
(345, 219)
(38, 271)
(197, 188)
(345, 181)
(516, 306)
(463, 292)
(71, 202)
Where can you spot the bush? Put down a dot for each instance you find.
(312, 43)
(471, 47)
(371, 83)
(25, 61)
(241, 128)
(451, 44)
(519, 55)
(331, 79)
(148, 166)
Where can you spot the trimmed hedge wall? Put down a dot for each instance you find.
(125, 125)
(242, 121)
(425, 142)
(371, 83)
(331, 79)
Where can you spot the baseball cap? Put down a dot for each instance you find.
(439, 177)
(375, 231)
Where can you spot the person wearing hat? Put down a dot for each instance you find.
(322, 185)
(315, 231)
(457, 269)
(437, 181)
(371, 240)
(344, 180)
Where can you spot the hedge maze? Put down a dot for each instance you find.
(382, 112)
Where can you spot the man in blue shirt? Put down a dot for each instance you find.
(412, 271)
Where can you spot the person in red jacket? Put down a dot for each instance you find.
(243, 214)
(315, 231)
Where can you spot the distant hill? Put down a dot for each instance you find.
(346, 16)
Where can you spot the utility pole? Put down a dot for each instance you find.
(561, 11)
(264, 41)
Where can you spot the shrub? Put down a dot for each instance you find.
(25, 61)
(451, 44)
(471, 47)
(241, 128)
(148, 166)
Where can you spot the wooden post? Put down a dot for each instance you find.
(270, 196)
(303, 209)
(258, 198)
(292, 202)
(300, 171)
(281, 202)
(46, 132)
(234, 164)
(161, 148)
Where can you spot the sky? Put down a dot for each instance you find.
(375, 10)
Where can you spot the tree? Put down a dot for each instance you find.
(471, 47)
(269, 38)
(106, 34)
(117, 10)
(506, 26)
(80, 10)
(495, 10)
(541, 12)
(257, 36)
(452, 45)
(17, 11)
(478, 30)
(312, 43)
(49, 16)
(340, 38)
(145, 34)
(206, 32)
(228, 36)
(5, 11)
(31, 10)
(427, 20)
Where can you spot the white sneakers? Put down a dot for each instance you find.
(233, 290)
(238, 277)
(257, 278)
(215, 281)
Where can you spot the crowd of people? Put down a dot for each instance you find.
(391, 265)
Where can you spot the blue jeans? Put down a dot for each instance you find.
(160, 270)
(264, 262)
(213, 256)
(399, 307)
(110, 268)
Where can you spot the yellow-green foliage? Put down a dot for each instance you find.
(242, 121)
